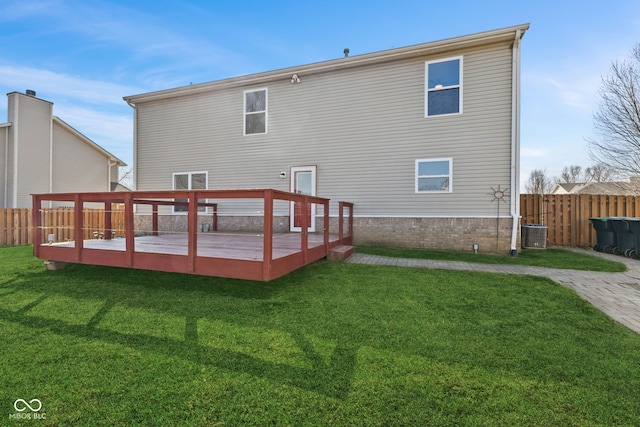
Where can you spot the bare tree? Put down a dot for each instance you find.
(617, 121)
(571, 174)
(126, 177)
(538, 182)
(599, 173)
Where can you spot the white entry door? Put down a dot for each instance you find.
(303, 181)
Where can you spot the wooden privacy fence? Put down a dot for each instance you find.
(15, 224)
(567, 215)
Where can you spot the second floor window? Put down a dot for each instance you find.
(444, 87)
(255, 111)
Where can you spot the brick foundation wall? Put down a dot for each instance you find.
(458, 234)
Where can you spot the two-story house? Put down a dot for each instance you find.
(40, 153)
(423, 139)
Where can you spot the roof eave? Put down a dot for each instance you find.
(456, 43)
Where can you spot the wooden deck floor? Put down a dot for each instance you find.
(242, 246)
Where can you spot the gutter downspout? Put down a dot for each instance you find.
(135, 144)
(515, 142)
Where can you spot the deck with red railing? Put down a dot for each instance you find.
(257, 255)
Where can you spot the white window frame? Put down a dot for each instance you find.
(427, 90)
(450, 175)
(245, 113)
(190, 175)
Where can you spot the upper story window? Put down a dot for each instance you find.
(189, 181)
(443, 80)
(255, 111)
(433, 175)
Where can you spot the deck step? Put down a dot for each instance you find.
(340, 253)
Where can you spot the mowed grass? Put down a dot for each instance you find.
(551, 258)
(331, 344)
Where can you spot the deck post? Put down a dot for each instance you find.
(341, 222)
(36, 224)
(326, 227)
(304, 242)
(214, 225)
(78, 232)
(129, 232)
(267, 230)
(107, 221)
(192, 231)
(350, 223)
(154, 218)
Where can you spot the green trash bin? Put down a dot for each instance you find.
(634, 229)
(605, 236)
(625, 241)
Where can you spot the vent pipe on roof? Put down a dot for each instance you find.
(31, 92)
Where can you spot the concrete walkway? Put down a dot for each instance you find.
(616, 294)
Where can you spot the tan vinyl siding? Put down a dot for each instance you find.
(77, 166)
(363, 128)
(9, 185)
(4, 132)
(33, 148)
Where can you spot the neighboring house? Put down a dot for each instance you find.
(40, 153)
(423, 139)
(618, 188)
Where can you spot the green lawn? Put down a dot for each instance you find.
(331, 344)
(552, 258)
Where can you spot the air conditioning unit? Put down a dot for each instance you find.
(533, 236)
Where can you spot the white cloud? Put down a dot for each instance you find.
(533, 152)
(62, 85)
(13, 10)
(103, 124)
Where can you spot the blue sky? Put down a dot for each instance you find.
(84, 56)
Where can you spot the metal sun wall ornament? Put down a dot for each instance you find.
(498, 195)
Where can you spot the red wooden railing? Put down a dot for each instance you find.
(266, 269)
